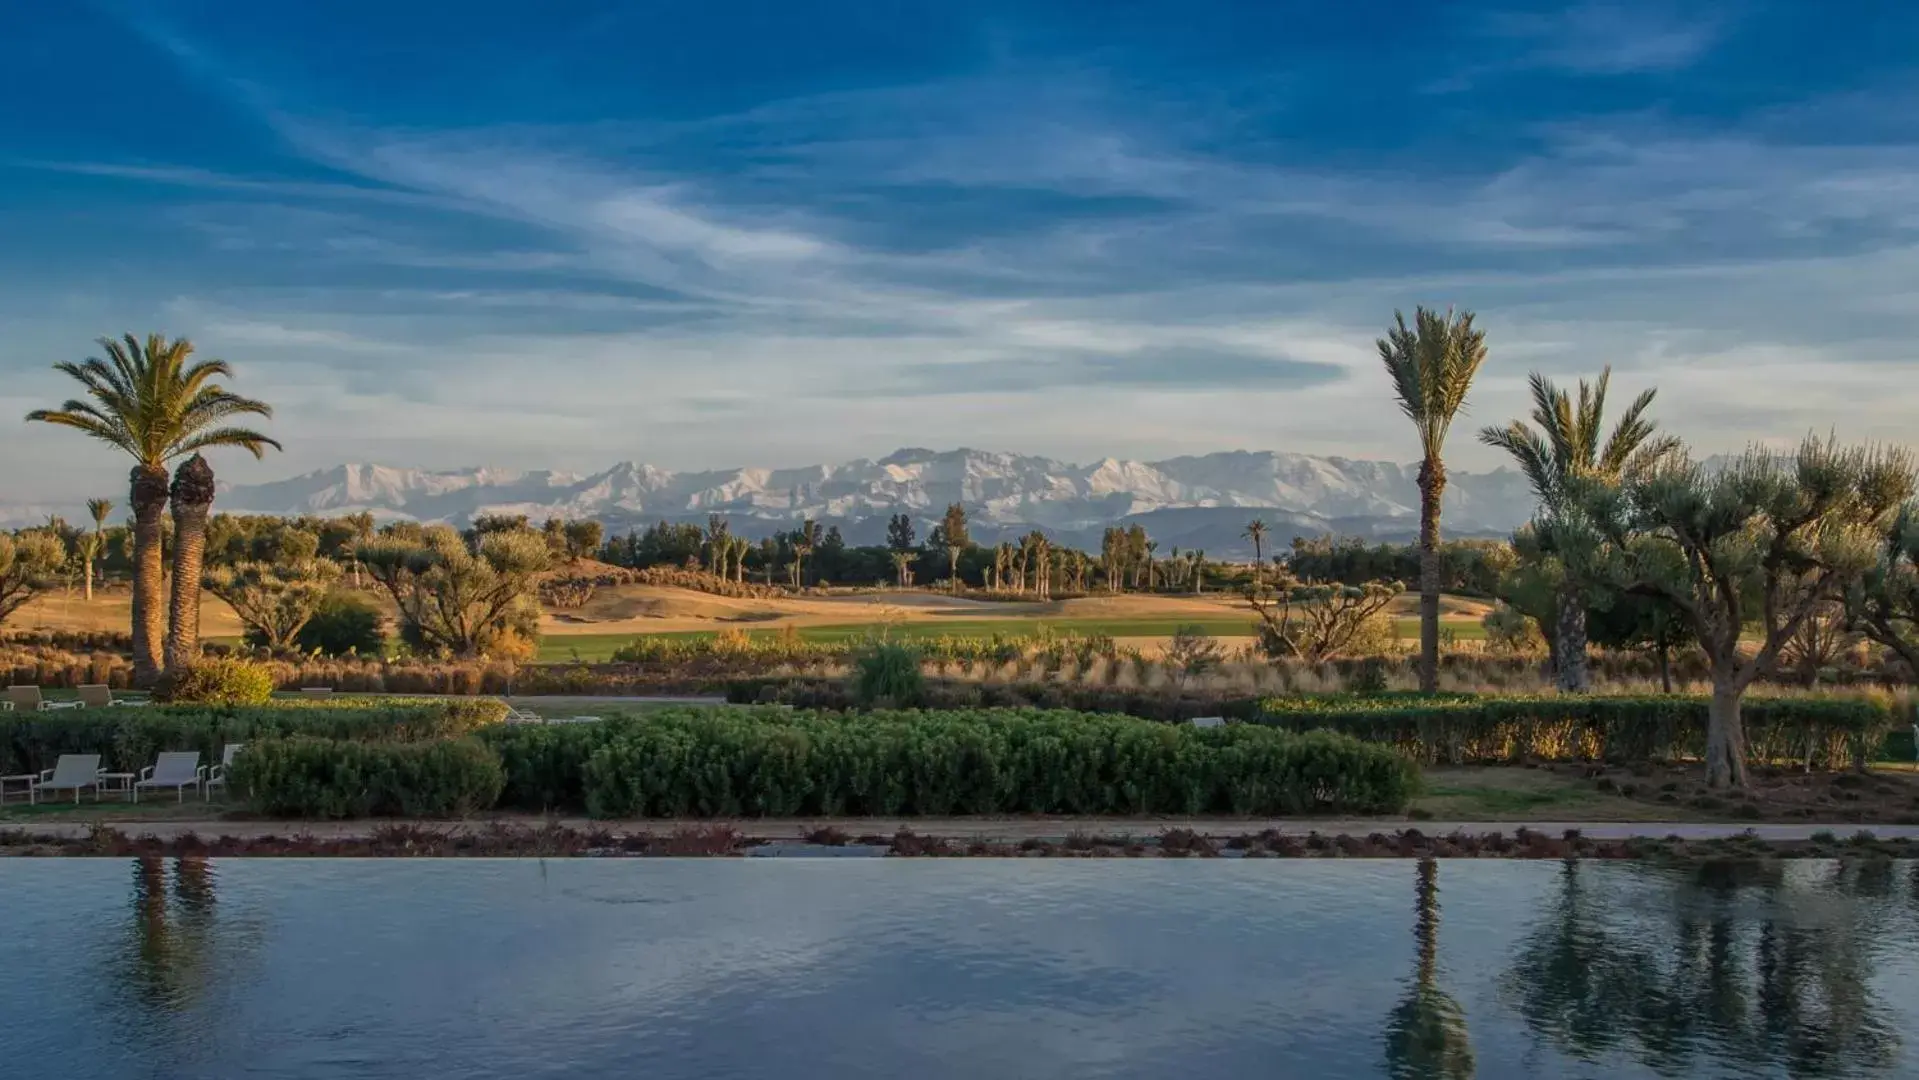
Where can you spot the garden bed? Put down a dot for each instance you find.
(415, 840)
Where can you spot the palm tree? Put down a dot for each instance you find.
(719, 543)
(953, 530)
(804, 541)
(97, 542)
(1566, 449)
(192, 494)
(1432, 364)
(741, 545)
(154, 402)
(1256, 532)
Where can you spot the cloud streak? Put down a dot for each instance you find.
(1047, 255)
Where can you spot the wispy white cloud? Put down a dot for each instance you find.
(1611, 37)
(1004, 262)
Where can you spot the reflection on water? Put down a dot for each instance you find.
(1426, 1036)
(170, 935)
(1741, 965)
(335, 968)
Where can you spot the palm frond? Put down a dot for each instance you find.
(246, 439)
(91, 425)
(1630, 434)
(1432, 365)
(153, 400)
(1535, 457)
(1552, 411)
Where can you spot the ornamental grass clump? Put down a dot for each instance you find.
(887, 674)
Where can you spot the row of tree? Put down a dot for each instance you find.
(1744, 557)
(1034, 565)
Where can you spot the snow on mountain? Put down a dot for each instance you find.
(1003, 493)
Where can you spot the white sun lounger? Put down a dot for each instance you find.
(218, 776)
(99, 696)
(178, 770)
(29, 699)
(73, 772)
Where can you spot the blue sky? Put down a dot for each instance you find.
(567, 233)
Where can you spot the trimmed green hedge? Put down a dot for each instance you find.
(1169, 704)
(334, 778)
(1825, 732)
(744, 762)
(128, 737)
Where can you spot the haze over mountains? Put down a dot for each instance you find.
(1190, 502)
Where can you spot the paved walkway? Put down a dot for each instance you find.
(997, 830)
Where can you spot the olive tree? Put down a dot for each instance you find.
(465, 599)
(274, 600)
(1764, 543)
(1884, 605)
(29, 565)
(1319, 622)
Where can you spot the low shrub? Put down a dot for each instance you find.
(888, 673)
(345, 624)
(545, 763)
(217, 681)
(1172, 704)
(128, 738)
(726, 762)
(1816, 732)
(335, 778)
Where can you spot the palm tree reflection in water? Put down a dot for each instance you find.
(1426, 1037)
(1753, 967)
(172, 943)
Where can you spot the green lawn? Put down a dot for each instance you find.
(556, 648)
(560, 647)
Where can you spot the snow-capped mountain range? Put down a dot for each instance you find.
(1190, 501)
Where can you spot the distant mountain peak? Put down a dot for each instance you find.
(1002, 492)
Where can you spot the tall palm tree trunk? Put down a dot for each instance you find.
(149, 501)
(1571, 672)
(192, 499)
(1432, 484)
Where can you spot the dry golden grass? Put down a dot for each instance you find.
(111, 610)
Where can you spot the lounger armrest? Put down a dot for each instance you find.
(46, 776)
(146, 774)
(201, 772)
